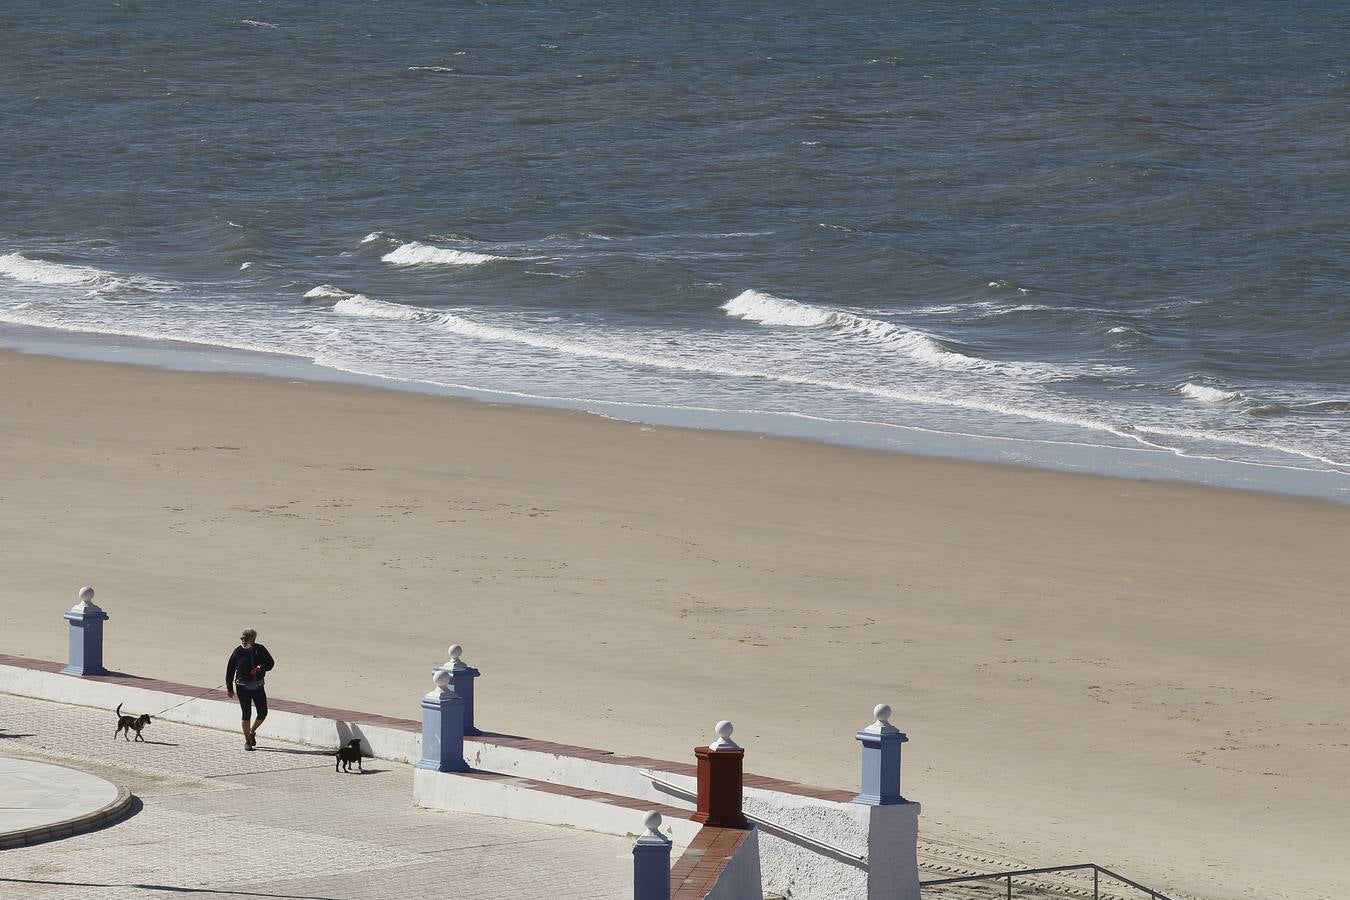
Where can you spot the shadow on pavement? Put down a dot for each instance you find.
(296, 752)
(170, 888)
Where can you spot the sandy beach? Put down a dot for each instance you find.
(1148, 676)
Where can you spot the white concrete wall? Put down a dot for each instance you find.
(892, 850)
(446, 790)
(590, 774)
(798, 872)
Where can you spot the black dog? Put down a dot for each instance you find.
(348, 755)
(128, 724)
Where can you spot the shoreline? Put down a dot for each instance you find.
(1087, 667)
(1129, 463)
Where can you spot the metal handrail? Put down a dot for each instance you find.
(844, 856)
(774, 828)
(1097, 872)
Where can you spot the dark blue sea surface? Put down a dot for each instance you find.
(1117, 225)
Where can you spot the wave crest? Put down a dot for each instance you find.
(324, 292)
(766, 309)
(417, 253)
(361, 306)
(42, 271)
(1207, 393)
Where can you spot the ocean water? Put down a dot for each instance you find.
(1116, 227)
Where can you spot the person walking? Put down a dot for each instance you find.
(244, 673)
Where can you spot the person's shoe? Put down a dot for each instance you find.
(252, 741)
(248, 744)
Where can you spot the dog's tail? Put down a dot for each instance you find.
(119, 710)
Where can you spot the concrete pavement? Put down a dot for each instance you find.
(218, 822)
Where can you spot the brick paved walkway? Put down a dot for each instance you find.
(219, 824)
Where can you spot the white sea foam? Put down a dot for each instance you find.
(418, 254)
(325, 292)
(40, 271)
(45, 272)
(431, 69)
(369, 308)
(245, 265)
(766, 309)
(937, 309)
(618, 350)
(983, 309)
(632, 348)
(373, 236)
(259, 24)
(1205, 393)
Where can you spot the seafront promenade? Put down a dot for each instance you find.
(214, 822)
(188, 789)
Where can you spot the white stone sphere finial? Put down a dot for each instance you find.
(724, 741)
(882, 725)
(456, 664)
(86, 604)
(441, 679)
(653, 822)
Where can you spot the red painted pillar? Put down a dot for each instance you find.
(719, 782)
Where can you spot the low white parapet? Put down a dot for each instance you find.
(502, 798)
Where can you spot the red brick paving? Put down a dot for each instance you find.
(704, 861)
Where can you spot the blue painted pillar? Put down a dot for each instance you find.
(881, 761)
(442, 727)
(651, 862)
(461, 682)
(86, 636)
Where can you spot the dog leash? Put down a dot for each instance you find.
(190, 699)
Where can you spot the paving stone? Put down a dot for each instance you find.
(218, 822)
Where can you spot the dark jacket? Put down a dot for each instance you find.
(242, 662)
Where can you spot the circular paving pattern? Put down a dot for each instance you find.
(41, 802)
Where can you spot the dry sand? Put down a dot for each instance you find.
(1149, 676)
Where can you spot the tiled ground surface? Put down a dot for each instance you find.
(220, 823)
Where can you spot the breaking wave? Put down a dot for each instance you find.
(417, 253)
(626, 350)
(766, 309)
(41, 271)
(1207, 393)
(325, 292)
(368, 307)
